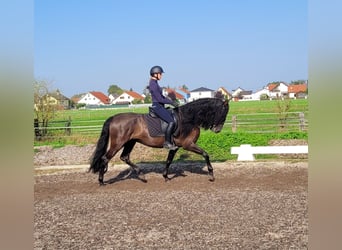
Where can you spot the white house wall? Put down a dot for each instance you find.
(279, 90)
(124, 97)
(198, 95)
(292, 95)
(89, 99)
(256, 95)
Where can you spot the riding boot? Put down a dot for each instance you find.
(168, 133)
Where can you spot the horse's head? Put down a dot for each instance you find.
(220, 116)
(208, 113)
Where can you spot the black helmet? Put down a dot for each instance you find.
(155, 70)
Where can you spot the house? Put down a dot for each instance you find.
(94, 98)
(245, 95)
(225, 93)
(241, 94)
(54, 100)
(171, 92)
(112, 97)
(128, 97)
(236, 92)
(297, 91)
(185, 93)
(201, 93)
(58, 99)
(277, 90)
(259, 94)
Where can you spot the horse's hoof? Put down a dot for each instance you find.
(101, 183)
(212, 178)
(142, 178)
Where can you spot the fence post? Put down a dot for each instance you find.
(301, 121)
(67, 126)
(234, 123)
(37, 132)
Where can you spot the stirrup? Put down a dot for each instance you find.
(170, 146)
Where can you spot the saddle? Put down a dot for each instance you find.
(156, 126)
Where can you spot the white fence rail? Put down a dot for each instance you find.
(246, 152)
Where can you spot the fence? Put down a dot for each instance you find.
(248, 123)
(268, 122)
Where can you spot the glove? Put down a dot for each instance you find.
(175, 104)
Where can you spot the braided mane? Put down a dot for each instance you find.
(204, 112)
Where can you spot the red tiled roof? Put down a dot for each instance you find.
(272, 86)
(102, 97)
(178, 96)
(295, 88)
(135, 95)
(75, 99)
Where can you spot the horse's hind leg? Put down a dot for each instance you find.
(128, 147)
(105, 160)
(103, 170)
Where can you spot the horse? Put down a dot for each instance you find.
(124, 130)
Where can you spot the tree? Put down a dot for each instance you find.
(283, 107)
(297, 82)
(115, 90)
(148, 98)
(264, 97)
(44, 107)
(185, 87)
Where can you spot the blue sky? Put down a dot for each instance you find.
(86, 45)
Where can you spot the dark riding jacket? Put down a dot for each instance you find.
(159, 100)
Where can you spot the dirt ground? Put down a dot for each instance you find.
(251, 205)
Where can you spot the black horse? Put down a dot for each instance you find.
(125, 129)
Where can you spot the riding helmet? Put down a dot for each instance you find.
(156, 70)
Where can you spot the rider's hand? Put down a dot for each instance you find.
(175, 104)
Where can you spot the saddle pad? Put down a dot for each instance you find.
(154, 126)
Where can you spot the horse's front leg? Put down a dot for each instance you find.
(193, 147)
(210, 167)
(169, 160)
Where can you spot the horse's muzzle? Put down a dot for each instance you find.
(217, 128)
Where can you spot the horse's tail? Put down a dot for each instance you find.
(96, 161)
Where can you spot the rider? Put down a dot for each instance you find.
(158, 102)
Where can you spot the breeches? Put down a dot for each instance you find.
(162, 112)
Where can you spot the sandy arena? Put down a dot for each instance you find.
(251, 205)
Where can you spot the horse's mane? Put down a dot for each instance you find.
(204, 112)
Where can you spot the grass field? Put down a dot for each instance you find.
(254, 121)
(236, 108)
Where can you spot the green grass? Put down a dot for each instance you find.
(94, 117)
(252, 107)
(217, 145)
